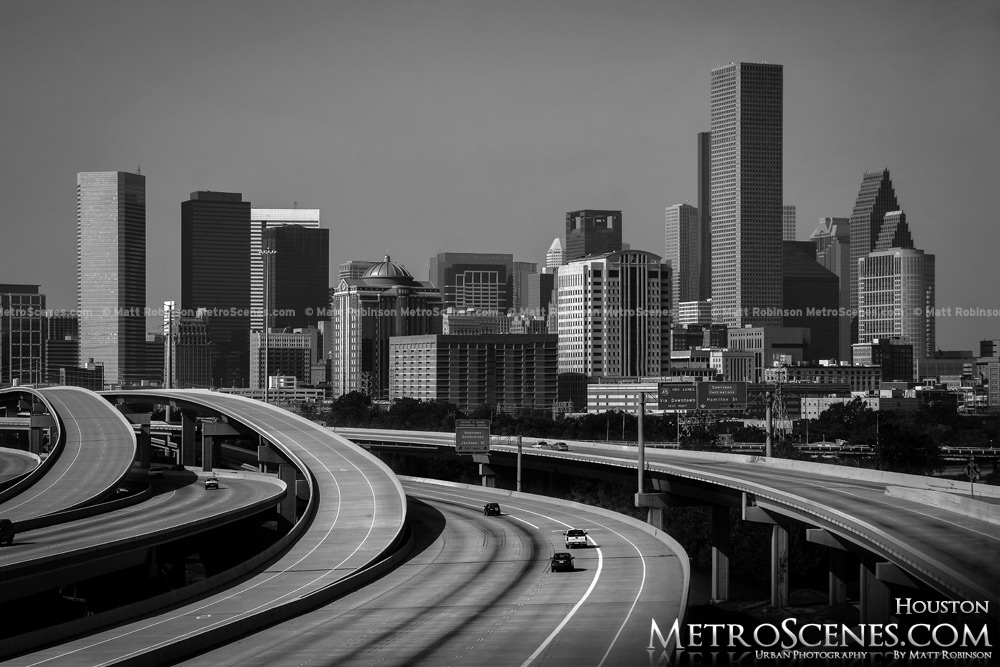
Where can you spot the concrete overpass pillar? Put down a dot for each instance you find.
(720, 552)
(874, 592)
(40, 422)
(837, 578)
(656, 504)
(488, 476)
(188, 446)
(779, 566)
(143, 441)
(286, 508)
(211, 446)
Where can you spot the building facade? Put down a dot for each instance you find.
(876, 197)
(811, 298)
(367, 312)
(507, 372)
(768, 343)
(788, 222)
(484, 281)
(215, 276)
(747, 121)
(896, 298)
(555, 256)
(705, 214)
(613, 315)
(892, 355)
(22, 334)
(262, 219)
(683, 252)
(592, 232)
(111, 273)
(297, 270)
(833, 251)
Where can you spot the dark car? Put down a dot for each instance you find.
(491, 509)
(560, 447)
(212, 483)
(6, 531)
(156, 473)
(562, 560)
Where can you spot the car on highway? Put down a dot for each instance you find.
(541, 444)
(561, 560)
(560, 446)
(491, 509)
(212, 483)
(576, 537)
(6, 531)
(156, 473)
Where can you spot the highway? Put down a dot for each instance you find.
(955, 553)
(180, 506)
(15, 463)
(96, 454)
(477, 590)
(355, 518)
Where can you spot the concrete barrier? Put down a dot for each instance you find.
(969, 507)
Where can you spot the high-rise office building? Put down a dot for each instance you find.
(833, 251)
(788, 222)
(215, 276)
(522, 272)
(811, 298)
(62, 344)
(613, 317)
(705, 214)
(22, 334)
(683, 251)
(484, 281)
(111, 273)
(592, 232)
(272, 218)
(747, 194)
(187, 357)
(298, 275)
(367, 312)
(876, 197)
(354, 268)
(555, 256)
(896, 298)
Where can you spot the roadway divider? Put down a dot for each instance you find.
(20, 453)
(82, 512)
(969, 507)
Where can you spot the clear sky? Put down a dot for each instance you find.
(426, 126)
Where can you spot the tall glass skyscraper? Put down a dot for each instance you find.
(111, 273)
(747, 194)
(215, 276)
(876, 197)
(270, 218)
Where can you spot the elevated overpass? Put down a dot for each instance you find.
(349, 527)
(877, 521)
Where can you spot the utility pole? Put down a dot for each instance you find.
(266, 253)
(642, 442)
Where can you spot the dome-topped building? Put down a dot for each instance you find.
(385, 301)
(390, 272)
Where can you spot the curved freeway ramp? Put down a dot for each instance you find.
(96, 453)
(355, 520)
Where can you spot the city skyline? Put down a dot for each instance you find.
(477, 127)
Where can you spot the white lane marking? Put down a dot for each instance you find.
(247, 417)
(642, 584)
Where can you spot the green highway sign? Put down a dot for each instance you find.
(676, 396)
(472, 436)
(722, 395)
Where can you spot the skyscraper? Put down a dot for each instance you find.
(484, 281)
(833, 250)
(612, 315)
(298, 275)
(788, 222)
(22, 334)
(876, 197)
(683, 252)
(896, 298)
(592, 232)
(269, 218)
(747, 194)
(705, 214)
(555, 256)
(111, 273)
(215, 276)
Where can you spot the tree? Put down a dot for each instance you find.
(901, 448)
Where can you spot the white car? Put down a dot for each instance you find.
(576, 537)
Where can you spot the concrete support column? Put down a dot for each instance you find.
(488, 476)
(720, 552)
(837, 578)
(874, 592)
(143, 441)
(188, 446)
(208, 450)
(286, 508)
(779, 567)
(654, 517)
